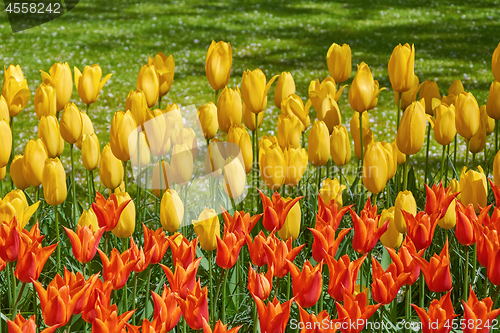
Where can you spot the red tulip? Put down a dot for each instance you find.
(308, 284)
(404, 261)
(21, 325)
(256, 248)
(355, 312)
(437, 270)
(438, 199)
(167, 313)
(84, 242)
(10, 240)
(366, 231)
(219, 328)
(386, 284)
(228, 249)
(118, 268)
(194, 306)
(275, 210)
(156, 243)
(330, 214)
(184, 253)
(420, 228)
(343, 275)
(183, 279)
(464, 229)
(440, 317)
(273, 318)
(108, 211)
(277, 257)
(320, 324)
(240, 223)
(32, 258)
(325, 242)
(478, 313)
(3, 264)
(260, 285)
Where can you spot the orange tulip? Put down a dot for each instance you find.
(324, 240)
(316, 324)
(107, 319)
(273, 317)
(366, 231)
(386, 284)
(240, 223)
(355, 311)
(116, 269)
(228, 249)
(420, 228)
(219, 328)
(308, 284)
(257, 250)
(330, 214)
(10, 240)
(155, 242)
(3, 264)
(183, 279)
(194, 306)
(493, 257)
(278, 257)
(404, 260)
(438, 198)
(84, 242)
(32, 258)
(275, 210)
(343, 275)
(167, 313)
(108, 211)
(479, 313)
(440, 313)
(100, 293)
(437, 270)
(135, 253)
(21, 325)
(184, 251)
(464, 230)
(260, 284)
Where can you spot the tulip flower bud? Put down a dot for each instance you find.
(207, 116)
(289, 131)
(17, 172)
(496, 169)
(49, 133)
(139, 150)
(375, 171)
(401, 67)
(87, 129)
(444, 125)
(234, 178)
(35, 155)
(91, 152)
(454, 186)
(88, 218)
(173, 122)
(165, 69)
(361, 92)
(71, 124)
(467, 115)
(400, 157)
(122, 127)
(291, 227)
(285, 86)
(456, 88)
(249, 118)
(45, 100)
(238, 135)
(411, 132)
(487, 122)
(478, 141)
(4, 110)
(319, 144)
(392, 160)
(450, 217)
(254, 90)
(332, 190)
(207, 228)
(15, 89)
(126, 224)
(159, 187)
(296, 160)
(409, 96)
(318, 92)
(60, 77)
(171, 211)
(215, 158)
(429, 90)
(404, 201)
(392, 237)
(137, 104)
(187, 137)
(338, 60)
(3, 172)
(54, 182)
(218, 64)
(148, 83)
(493, 102)
(376, 92)
(158, 140)
(181, 164)
(89, 84)
(229, 108)
(271, 162)
(474, 188)
(293, 106)
(6, 139)
(110, 169)
(340, 145)
(329, 113)
(495, 63)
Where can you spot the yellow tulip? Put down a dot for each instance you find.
(91, 152)
(487, 122)
(400, 157)
(123, 128)
(474, 188)
(60, 77)
(6, 140)
(329, 113)
(289, 131)
(3, 173)
(71, 124)
(456, 88)
(87, 129)
(392, 237)
(404, 201)
(444, 125)
(319, 91)
(229, 108)
(241, 142)
(271, 162)
(338, 60)
(207, 117)
(291, 227)
(139, 150)
(110, 168)
(340, 145)
(148, 83)
(4, 110)
(35, 155)
(409, 96)
(284, 88)
(319, 144)
(496, 169)
(331, 189)
(207, 228)
(126, 224)
(376, 92)
(181, 164)
(429, 90)
(15, 203)
(411, 132)
(187, 137)
(449, 100)
(450, 218)
(165, 68)
(293, 106)
(361, 92)
(296, 160)
(478, 141)
(375, 170)
(249, 118)
(218, 64)
(158, 140)
(137, 104)
(88, 218)
(467, 115)
(234, 177)
(493, 102)
(401, 67)
(215, 158)
(158, 187)
(17, 172)
(173, 122)
(49, 133)
(171, 211)
(455, 187)
(45, 100)
(89, 84)
(15, 89)
(254, 90)
(495, 64)
(54, 182)
(392, 160)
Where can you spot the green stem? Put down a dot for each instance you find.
(211, 307)
(467, 141)
(68, 329)
(427, 153)
(1, 195)
(442, 161)
(496, 296)
(257, 138)
(455, 153)
(73, 185)
(58, 249)
(473, 160)
(89, 188)
(147, 293)
(36, 200)
(224, 298)
(474, 264)
(382, 308)
(466, 277)
(125, 291)
(277, 289)
(134, 295)
(361, 136)
(340, 175)
(35, 303)
(485, 289)
(106, 241)
(422, 290)
(9, 285)
(407, 304)
(125, 164)
(446, 166)
(255, 318)
(216, 95)
(254, 186)
(405, 173)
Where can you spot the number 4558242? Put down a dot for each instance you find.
(33, 8)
